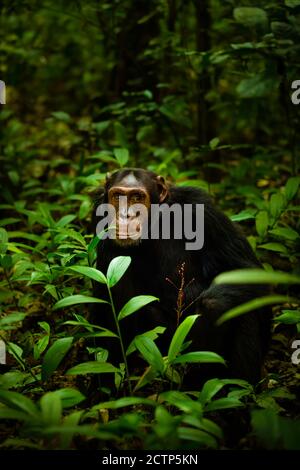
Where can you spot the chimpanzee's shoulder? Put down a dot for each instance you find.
(188, 195)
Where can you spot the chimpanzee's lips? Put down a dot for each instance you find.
(125, 234)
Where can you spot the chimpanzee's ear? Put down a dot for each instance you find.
(162, 187)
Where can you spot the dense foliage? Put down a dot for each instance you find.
(200, 92)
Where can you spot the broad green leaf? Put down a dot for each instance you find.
(77, 299)
(252, 305)
(122, 156)
(92, 367)
(179, 336)
(61, 116)
(199, 357)
(182, 401)
(16, 352)
(257, 86)
(55, 355)
(204, 424)
(45, 326)
(152, 334)
(256, 276)
(262, 223)
(84, 209)
(150, 352)
(292, 185)
(214, 143)
(3, 236)
(40, 346)
(243, 215)
(124, 402)
(251, 16)
(92, 273)
(74, 235)
(69, 397)
(196, 435)
(292, 3)
(51, 408)
(65, 220)
(285, 232)
(121, 134)
(134, 304)
(223, 404)
(116, 269)
(10, 319)
(289, 317)
(18, 401)
(278, 247)
(277, 205)
(10, 413)
(210, 389)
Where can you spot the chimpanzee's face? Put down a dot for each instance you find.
(131, 196)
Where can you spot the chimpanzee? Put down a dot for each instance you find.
(178, 274)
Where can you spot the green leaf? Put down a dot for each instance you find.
(84, 209)
(92, 273)
(120, 134)
(55, 355)
(124, 402)
(11, 318)
(51, 408)
(92, 367)
(292, 185)
(65, 220)
(262, 223)
(10, 413)
(61, 116)
(75, 236)
(122, 156)
(252, 305)
(257, 86)
(292, 3)
(116, 269)
(277, 205)
(199, 357)
(210, 389)
(152, 334)
(214, 143)
(182, 401)
(69, 397)
(19, 402)
(251, 16)
(223, 404)
(285, 232)
(289, 317)
(77, 299)
(256, 276)
(150, 352)
(243, 215)
(278, 247)
(3, 236)
(179, 336)
(196, 435)
(134, 304)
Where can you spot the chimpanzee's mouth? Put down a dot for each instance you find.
(124, 235)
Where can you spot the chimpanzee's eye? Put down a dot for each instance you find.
(116, 196)
(137, 197)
